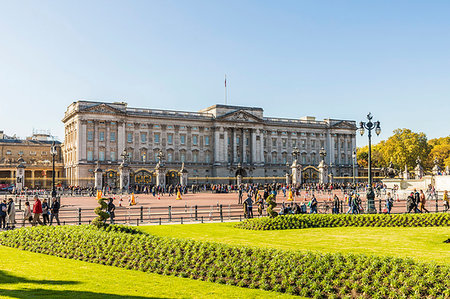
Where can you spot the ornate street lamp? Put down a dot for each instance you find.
(53, 152)
(295, 153)
(322, 153)
(354, 162)
(369, 126)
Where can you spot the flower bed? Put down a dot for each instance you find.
(330, 220)
(302, 273)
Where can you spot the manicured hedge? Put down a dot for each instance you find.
(338, 220)
(303, 273)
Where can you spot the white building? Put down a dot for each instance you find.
(211, 143)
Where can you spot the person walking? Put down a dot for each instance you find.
(423, 202)
(416, 201)
(27, 215)
(446, 201)
(249, 202)
(54, 209)
(37, 211)
(45, 211)
(111, 208)
(389, 202)
(3, 209)
(11, 214)
(313, 205)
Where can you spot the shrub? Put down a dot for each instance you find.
(338, 220)
(301, 273)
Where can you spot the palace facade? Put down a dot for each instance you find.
(34, 154)
(214, 143)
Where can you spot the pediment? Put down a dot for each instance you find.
(239, 116)
(102, 108)
(344, 125)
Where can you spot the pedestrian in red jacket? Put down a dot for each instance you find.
(37, 211)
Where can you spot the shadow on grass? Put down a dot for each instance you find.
(7, 278)
(42, 293)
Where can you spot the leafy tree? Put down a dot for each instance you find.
(404, 147)
(362, 156)
(440, 150)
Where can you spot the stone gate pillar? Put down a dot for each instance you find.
(296, 173)
(183, 173)
(323, 172)
(20, 176)
(98, 177)
(124, 177)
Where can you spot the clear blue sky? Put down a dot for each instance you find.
(338, 59)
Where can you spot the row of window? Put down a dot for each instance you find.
(143, 157)
(156, 138)
(8, 152)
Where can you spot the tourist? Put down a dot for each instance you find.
(3, 209)
(389, 202)
(349, 203)
(416, 201)
(260, 202)
(446, 201)
(55, 210)
(249, 204)
(423, 202)
(111, 208)
(313, 205)
(27, 215)
(37, 211)
(336, 204)
(240, 193)
(11, 214)
(45, 211)
(410, 205)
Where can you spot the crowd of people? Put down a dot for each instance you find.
(48, 212)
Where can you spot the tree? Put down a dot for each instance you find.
(362, 155)
(404, 147)
(440, 151)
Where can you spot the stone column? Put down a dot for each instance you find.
(287, 179)
(234, 146)
(33, 182)
(253, 159)
(120, 139)
(124, 177)
(225, 146)
(216, 145)
(160, 176)
(20, 177)
(95, 152)
(244, 146)
(261, 150)
(98, 177)
(330, 149)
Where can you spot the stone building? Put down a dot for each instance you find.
(34, 154)
(212, 143)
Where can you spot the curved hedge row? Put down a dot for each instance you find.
(338, 220)
(302, 273)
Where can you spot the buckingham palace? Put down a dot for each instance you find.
(213, 145)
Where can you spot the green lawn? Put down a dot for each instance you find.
(26, 274)
(420, 243)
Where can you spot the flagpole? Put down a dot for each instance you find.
(225, 89)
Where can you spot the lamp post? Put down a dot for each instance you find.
(369, 126)
(323, 154)
(354, 162)
(53, 152)
(295, 153)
